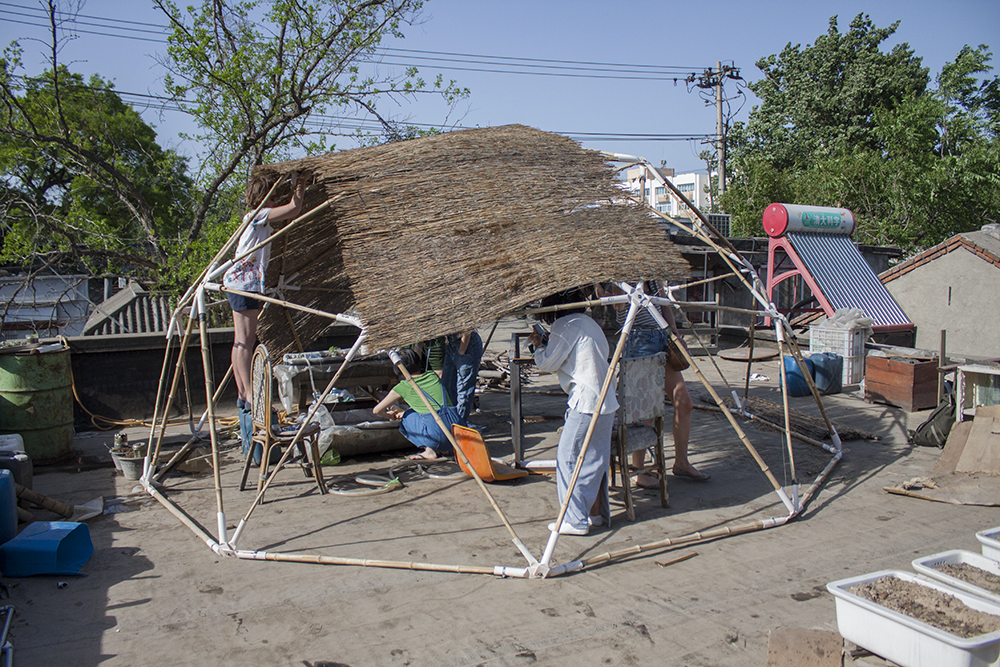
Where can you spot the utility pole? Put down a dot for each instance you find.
(720, 131)
(709, 80)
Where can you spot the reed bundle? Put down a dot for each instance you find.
(435, 235)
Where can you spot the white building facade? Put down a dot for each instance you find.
(693, 185)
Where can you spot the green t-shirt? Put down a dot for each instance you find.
(435, 353)
(430, 383)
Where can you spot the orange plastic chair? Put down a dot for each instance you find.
(489, 469)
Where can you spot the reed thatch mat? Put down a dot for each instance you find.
(436, 235)
(802, 423)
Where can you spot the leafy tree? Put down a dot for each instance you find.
(254, 77)
(85, 182)
(843, 124)
(85, 178)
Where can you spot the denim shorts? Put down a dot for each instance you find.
(241, 303)
(645, 343)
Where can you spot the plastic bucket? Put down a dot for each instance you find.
(828, 370)
(47, 547)
(797, 385)
(132, 468)
(8, 507)
(36, 401)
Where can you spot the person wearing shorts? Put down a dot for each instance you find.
(247, 275)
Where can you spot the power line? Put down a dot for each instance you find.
(552, 67)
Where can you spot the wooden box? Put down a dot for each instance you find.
(910, 384)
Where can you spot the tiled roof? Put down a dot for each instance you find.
(981, 244)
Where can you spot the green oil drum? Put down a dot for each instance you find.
(36, 400)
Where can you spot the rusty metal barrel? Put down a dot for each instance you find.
(36, 400)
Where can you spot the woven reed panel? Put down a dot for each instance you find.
(434, 235)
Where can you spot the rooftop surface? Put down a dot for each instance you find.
(154, 594)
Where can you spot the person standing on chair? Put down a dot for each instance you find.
(577, 350)
(247, 275)
(647, 339)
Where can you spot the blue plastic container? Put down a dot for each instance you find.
(8, 507)
(828, 371)
(47, 547)
(797, 385)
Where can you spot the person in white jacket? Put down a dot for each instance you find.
(577, 350)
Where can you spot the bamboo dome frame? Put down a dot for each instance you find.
(582, 205)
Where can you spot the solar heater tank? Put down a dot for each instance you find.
(782, 218)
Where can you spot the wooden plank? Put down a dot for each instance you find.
(982, 449)
(953, 449)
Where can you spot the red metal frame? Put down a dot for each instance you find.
(800, 269)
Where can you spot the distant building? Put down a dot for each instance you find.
(692, 185)
(953, 287)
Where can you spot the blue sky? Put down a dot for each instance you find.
(682, 36)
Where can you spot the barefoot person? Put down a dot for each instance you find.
(247, 275)
(416, 423)
(645, 339)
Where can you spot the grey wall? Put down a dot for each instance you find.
(958, 292)
(117, 376)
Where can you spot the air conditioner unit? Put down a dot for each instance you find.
(721, 222)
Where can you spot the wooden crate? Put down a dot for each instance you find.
(910, 384)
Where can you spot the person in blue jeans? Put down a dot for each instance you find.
(416, 423)
(463, 353)
(577, 350)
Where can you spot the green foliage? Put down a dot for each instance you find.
(843, 124)
(259, 77)
(85, 183)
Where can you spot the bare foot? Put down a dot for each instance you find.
(427, 455)
(645, 481)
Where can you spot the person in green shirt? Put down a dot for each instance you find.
(416, 422)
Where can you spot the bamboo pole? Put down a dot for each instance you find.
(814, 390)
(44, 502)
(184, 517)
(364, 562)
(175, 381)
(784, 398)
(159, 394)
(757, 418)
(289, 304)
(746, 384)
(732, 420)
(206, 360)
(691, 538)
(554, 536)
(458, 451)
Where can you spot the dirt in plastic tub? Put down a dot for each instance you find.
(937, 609)
(972, 575)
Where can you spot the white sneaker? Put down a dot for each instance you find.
(595, 521)
(567, 529)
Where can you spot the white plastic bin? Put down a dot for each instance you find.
(905, 640)
(929, 565)
(848, 343)
(989, 542)
(11, 442)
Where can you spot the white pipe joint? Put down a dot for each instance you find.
(574, 566)
(221, 519)
(514, 572)
(219, 271)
